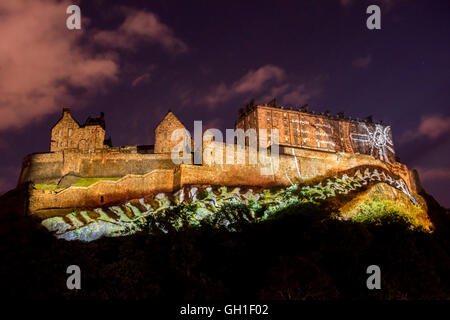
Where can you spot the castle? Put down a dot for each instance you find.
(321, 132)
(310, 144)
(297, 129)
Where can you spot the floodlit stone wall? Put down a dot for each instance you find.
(103, 192)
(49, 168)
(294, 166)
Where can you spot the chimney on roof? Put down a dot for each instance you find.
(304, 108)
(273, 103)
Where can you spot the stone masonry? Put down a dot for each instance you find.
(302, 129)
(163, 133)
(68, 134)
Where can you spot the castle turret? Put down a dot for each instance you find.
(163, 133)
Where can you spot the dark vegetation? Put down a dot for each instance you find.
(300, 254)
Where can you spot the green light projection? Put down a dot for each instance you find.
(226, 208)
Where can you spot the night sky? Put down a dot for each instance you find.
(204, 60)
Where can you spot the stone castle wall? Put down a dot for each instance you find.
(295, 165)
(102, 192)
(49, 168)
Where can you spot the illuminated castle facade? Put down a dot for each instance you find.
(299, 128)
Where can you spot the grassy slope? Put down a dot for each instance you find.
(85, 182)
(82, 182)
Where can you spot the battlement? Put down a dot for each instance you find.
(251, 106)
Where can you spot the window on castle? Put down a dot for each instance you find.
(165, 135)
(70, 132)
(59, 133)
(59, 144)
(69, 143)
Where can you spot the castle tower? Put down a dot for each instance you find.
(62, 132)
(163, 133)
(67, 133)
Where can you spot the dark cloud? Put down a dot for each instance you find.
(362, 62)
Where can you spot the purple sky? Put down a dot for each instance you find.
(134, 60)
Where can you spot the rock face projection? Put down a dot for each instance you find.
(209, 206)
